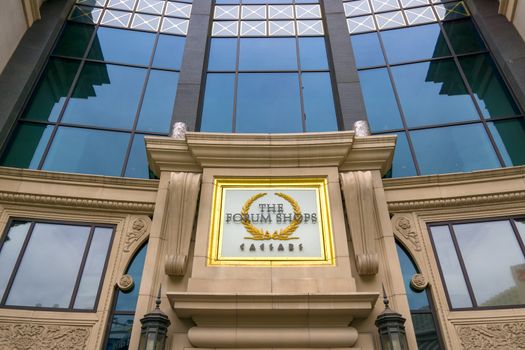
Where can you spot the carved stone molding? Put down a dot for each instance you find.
(403, 227)
(183, 191)
(517, 196)
(492, 336)
(68, 202)
(126, 283)
(39, 336)
(139, 226)
(418, 282)
(363, 217)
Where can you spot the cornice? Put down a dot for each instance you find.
(218, 150)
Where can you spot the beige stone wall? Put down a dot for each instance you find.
(514, 10)
(13, 25)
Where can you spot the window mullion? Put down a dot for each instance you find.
(518, 236)
(81, 269)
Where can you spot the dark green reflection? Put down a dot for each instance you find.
(77, 150)
(26, 146)
(106, 95)
(509, 135)
(381, 106)
(433, 93)
(128, 301)
(74, 39)
(49, 96)
(319, 106)
(402, 164)
(453, 149)
(120, 332)
(488, 87)
(425, 329)
(463, 36)
(367, 50)
(217, 111)
(414, 43)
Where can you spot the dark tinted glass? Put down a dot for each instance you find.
(49, 97)
(453, 149)
(168, 53)
(268, 54)
(54, 278)
(119, 45)
(509, 135)
(268, 103)
(414, 43)
(367, 50)
(138, 161)
(380, 102)
(157, 106)
(26, 146)
(74, 40)
(128, 301)
(402, 164)
(312, 52)
(120, 332)
(10, 251)
(217, 112)
(433, 93)
(426, 333)
(106, 95)
(319, 106)
(223, 54)
(463, 36)
(488, 87)
(87, 151)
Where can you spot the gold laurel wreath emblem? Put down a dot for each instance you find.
(258, 233)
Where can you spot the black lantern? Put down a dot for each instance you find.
(154, 329)
(391, 326)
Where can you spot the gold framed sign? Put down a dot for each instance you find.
(270, 221)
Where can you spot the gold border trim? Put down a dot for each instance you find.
(320, 184)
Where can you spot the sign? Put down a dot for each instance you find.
(270, 222)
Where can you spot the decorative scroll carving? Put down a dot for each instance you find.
(126, 283)
(363, 217)
(403, 226)
(492, 336)
(139, 226)
(418, 282)
(38, 336)
(183, 191)
(457, 201)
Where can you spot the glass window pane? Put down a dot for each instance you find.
(43, 281)
(414, 43)
(492, 257)
(91, 276)
(467, 148)
(463, 36)
(120, 45)
(157, 106)
(312, 52)
(168, 53)
(26, 146)
(87, 151)
(49, 96)
(319, 106)
(488, 87)
(74, 39)
(426, 333)
(449, 264)
(402, 164)
(10, 251)
(520, 224)
(120, 332)
(509, 136)
(380, 102)
(367, 50)
(268, 54)
(416, 300)
(138, 161)
(223, 54)
(217, 111)
(268, 103)
(441, 94)
(106, 95)
(128, 301)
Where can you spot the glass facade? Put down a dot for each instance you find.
(111, 79)
(426, 75)
(268, 69)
